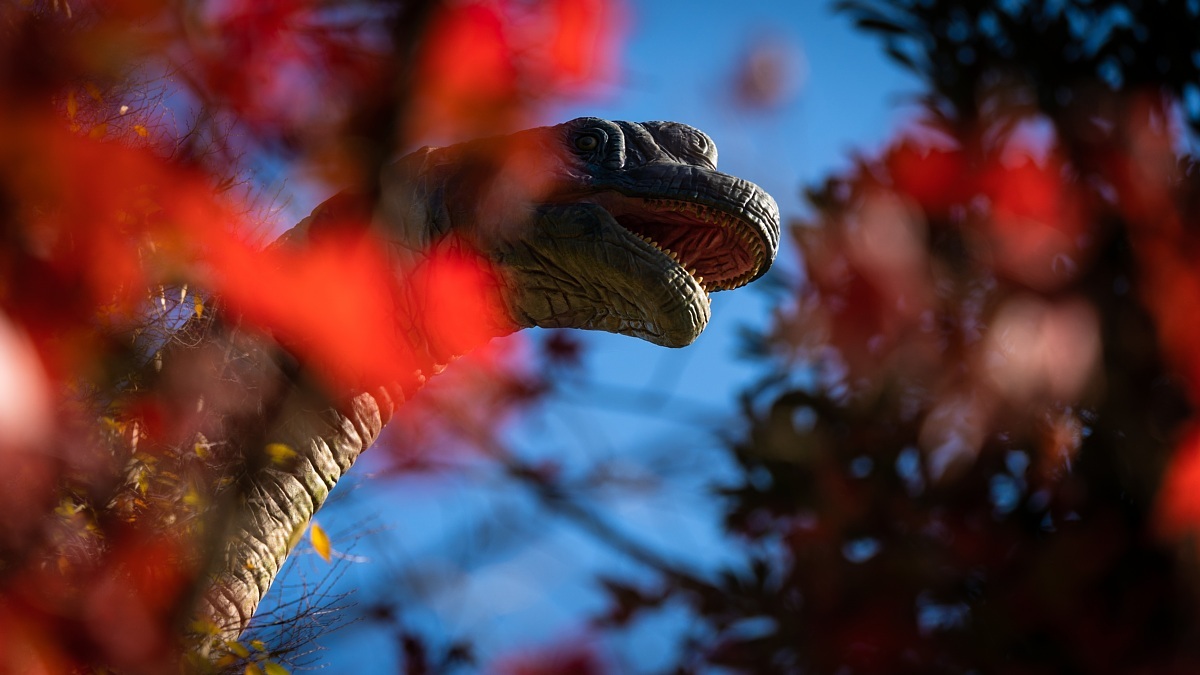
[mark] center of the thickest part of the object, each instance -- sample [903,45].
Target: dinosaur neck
[325,428]
[269,507]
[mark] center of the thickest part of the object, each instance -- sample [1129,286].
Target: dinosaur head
[617,226]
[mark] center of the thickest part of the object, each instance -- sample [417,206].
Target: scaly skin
[591,224]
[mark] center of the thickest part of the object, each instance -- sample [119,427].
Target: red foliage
[101,211]
[1017,322]
[83,250]
[1037,226]
[466,69]
[936,178]
[331,302]
[1153,197]
[280,65]
[481,61]
[1178,507]
[348,313]
[459,301]
[582,41]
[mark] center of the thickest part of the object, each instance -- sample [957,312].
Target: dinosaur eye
[587,142]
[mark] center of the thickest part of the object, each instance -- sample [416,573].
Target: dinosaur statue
[595,224]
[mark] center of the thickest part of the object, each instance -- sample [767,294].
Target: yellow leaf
[273,668]
[320,541]
[253,670]
[280,453]
[204,627]
[141,130]
[72,105]
[259,645]
[199,304]
[297,535]
[113,424]
[193,498]
[238,648]
[201,450]
[97,132]
[68,508]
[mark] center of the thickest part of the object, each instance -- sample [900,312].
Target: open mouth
[720,249]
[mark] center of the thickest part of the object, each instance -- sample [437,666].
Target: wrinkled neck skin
[328,431]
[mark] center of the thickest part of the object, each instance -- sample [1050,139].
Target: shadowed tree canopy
[979,451]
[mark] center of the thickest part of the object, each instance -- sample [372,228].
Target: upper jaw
[722,230]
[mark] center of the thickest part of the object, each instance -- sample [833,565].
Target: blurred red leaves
[140,588]
[1157,197]
[286,66]
[937,178]
[346,310]
[1042,351]
[120,607]
[1178,506]
[467,61]
[118,226]
[887,265]
[460,307]
[582,45]
[331,303]
[1037,228]
[96,226]
[483,62]
[1154,195]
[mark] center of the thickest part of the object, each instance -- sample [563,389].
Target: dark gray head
[617,226]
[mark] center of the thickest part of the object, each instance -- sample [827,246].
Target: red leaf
[937,179]
[1178,507]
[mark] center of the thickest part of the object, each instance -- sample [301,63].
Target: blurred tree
[980,452]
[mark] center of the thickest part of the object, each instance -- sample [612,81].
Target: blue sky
[641,409]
